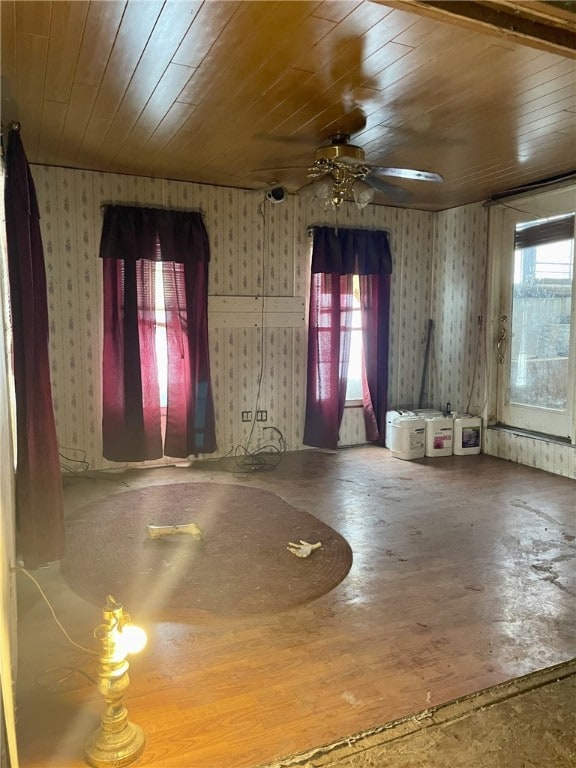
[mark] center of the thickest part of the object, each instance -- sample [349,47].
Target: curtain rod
[311,227]
[124,204]
[555,182]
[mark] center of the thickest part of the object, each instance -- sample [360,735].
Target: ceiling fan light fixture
[336,186]
[324,188]
[318,188]
[340,173]
[362,192]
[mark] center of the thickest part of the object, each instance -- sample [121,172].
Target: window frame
[504,217]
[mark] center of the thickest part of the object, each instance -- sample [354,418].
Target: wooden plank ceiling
[241,93]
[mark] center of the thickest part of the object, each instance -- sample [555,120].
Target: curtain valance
[131,233]
[345,251]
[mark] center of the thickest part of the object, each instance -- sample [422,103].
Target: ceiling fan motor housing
[343,152]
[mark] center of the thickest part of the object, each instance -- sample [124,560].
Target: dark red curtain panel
[375,309]
[190,411]
[39,498]
[330,320]
[131,401]
[132,240]
[337,255]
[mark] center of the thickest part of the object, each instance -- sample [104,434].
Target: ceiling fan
[340,172]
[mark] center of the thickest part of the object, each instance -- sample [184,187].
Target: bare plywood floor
[464,576]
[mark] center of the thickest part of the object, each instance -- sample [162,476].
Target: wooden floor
[464,576]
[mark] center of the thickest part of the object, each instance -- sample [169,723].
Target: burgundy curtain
[39,498]
[132,240]
[330,318]
[131,401]
[375,309]
[337,255]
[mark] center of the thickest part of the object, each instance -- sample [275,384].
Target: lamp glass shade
[363,193]
[319,188]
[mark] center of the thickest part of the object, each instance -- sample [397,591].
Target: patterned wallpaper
[541,454]
[257,248]
[457,360]
[262,249]
[458,367]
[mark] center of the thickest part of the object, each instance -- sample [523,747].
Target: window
[541,308]
[544,253]
[160,335]
[356,362]
[156,392]
[535,343]
[348,332]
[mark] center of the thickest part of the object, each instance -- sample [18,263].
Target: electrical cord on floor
[53,686]
[68,672]
[264,459]
[49,604]
[80,468]
[73,466]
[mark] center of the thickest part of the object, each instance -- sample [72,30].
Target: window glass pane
[541,309]
[161,341]
[354,383]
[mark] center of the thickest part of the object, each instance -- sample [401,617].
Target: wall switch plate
[246,415]
[261,415]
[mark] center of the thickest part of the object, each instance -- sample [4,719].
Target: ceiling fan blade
[350,122]
[397,194]
[407,173]
[279,168]
[307,140]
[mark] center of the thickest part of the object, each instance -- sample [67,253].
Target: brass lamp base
[104,749]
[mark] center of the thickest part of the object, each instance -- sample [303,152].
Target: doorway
[532,242]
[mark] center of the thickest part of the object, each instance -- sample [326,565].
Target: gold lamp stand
[117,742]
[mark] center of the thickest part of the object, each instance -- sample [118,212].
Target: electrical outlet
[261,415]
[246,415]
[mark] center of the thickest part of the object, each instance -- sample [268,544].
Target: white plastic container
[428,413]
[391,417]
[407,439]
[439,434]
[467,435]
